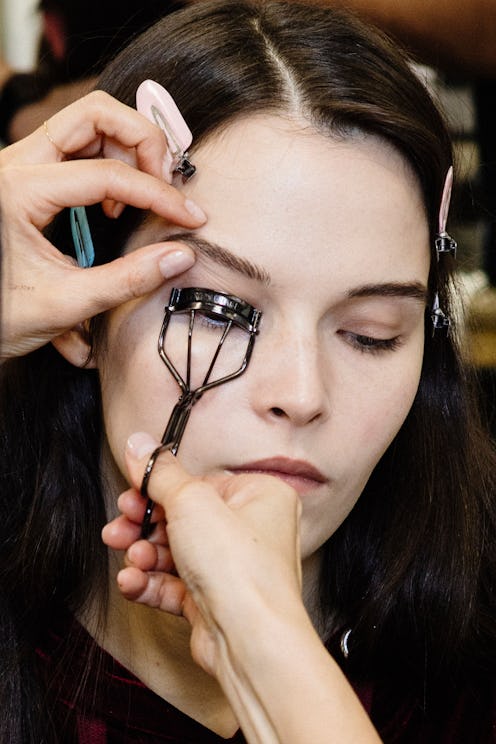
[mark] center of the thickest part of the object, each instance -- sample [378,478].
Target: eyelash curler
[222,313]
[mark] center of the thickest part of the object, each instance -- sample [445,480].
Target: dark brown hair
[411,570]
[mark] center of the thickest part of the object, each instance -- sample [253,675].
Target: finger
[80,183]
[133,506]
[136,274]
[159,590]
[256,494]
[146,556]
[116,151]
[103,287]
[168,475]
[82,127]
[121,533]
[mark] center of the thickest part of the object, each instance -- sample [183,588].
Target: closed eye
[370,344]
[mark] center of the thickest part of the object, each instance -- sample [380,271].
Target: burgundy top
[116,708]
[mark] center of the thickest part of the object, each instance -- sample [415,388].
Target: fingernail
[113,208]
[118,210]
[175,263]
[194,210]
[140,444]
[167,166]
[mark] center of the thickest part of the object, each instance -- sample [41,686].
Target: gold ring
[51,140]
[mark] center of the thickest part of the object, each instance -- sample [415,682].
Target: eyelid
[373,307]
[372,320]
[371,329]
[378,345]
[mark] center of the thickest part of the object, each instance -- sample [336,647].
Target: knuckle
[136,282]
[97,99]
[115,172]
[114,167]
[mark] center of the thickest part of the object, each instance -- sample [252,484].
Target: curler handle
[170,441]
[177,422]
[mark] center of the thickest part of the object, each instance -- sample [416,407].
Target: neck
[154,646]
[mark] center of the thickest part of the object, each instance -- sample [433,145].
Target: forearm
[284,686]
[453,33]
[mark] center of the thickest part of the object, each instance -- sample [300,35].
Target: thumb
[168,474]
[138,273]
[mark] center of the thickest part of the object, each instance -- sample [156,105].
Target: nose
[288,383]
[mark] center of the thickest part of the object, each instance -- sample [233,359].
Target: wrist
[273,666]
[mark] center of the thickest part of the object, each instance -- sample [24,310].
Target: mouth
[299,474]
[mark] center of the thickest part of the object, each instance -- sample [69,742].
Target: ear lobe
[75,347]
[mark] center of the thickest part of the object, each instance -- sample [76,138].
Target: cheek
[214,351]
[366,427]
[379,411]
[138,392]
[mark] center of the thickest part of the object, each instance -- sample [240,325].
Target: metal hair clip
[444,243]
[345,650]
[440,321]
[208,318]
[81,236]
[154,102]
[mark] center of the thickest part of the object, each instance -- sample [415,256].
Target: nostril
[277,411]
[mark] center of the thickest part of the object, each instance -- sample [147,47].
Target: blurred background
[20,26]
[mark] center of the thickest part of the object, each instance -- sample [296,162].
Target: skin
[328,220]
[43,293]
[306,363]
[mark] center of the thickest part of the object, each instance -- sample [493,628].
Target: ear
[75,346]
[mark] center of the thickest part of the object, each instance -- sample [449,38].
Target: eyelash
[210,321]
[370,345]
[360,342]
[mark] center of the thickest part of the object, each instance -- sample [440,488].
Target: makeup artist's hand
[218,533]
[95,150]
[225,554]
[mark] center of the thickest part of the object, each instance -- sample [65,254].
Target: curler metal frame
[228,308]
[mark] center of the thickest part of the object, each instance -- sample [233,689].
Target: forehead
[277,189]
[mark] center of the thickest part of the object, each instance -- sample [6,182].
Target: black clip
[445,244]
[440,321]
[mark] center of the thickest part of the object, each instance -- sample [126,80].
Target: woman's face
[329,240]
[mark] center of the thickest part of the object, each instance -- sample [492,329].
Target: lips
[299,474]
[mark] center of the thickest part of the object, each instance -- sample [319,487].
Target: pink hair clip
[444,243]
[154,102]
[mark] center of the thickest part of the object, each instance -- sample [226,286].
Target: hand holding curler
[95,150]
[218,560]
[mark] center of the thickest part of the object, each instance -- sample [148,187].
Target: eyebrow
[223,256]
[409,290]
